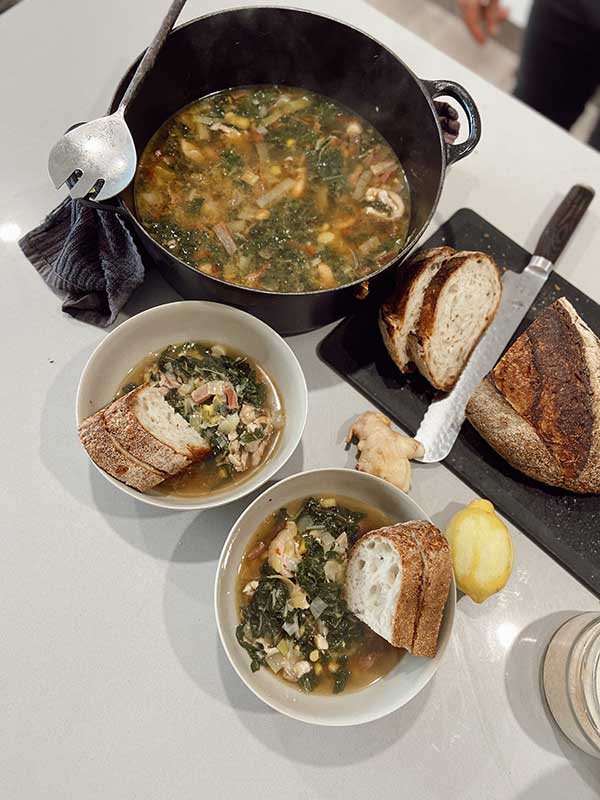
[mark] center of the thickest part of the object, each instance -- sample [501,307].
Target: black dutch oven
[297,48]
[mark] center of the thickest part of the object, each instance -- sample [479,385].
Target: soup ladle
[99,158]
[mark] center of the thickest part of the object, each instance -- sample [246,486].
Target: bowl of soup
[232,383]
[280,603]
[286,163]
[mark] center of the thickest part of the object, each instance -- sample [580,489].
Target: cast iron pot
[297,48]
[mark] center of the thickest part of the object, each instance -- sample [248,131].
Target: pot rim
[411,241]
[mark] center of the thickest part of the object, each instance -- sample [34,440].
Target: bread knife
[443,419]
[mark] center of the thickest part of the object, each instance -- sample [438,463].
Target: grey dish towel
[87,255]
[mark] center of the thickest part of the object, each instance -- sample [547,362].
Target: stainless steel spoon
[100,156]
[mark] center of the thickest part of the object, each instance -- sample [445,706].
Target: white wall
[519,11]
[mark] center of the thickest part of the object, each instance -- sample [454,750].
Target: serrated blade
[443,419]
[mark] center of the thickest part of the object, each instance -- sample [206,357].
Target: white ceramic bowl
[390,692]
[154,329]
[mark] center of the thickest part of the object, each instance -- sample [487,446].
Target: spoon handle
[151,53]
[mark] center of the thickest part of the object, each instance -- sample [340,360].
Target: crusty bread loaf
[397,583]
[459,304]
[108,454]
[400,315]
[383,584]
[149,428]
[539,408]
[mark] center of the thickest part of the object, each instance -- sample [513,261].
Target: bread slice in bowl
[459,305]
[539,408]
[400,315]
[109,455]
[435,584]
[151,430]
[397,582]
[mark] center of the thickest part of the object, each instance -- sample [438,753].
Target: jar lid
[590,679]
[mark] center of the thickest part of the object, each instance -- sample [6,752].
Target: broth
[200,360]
[368,657]
[274,188]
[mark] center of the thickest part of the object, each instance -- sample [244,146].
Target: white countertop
[113,682]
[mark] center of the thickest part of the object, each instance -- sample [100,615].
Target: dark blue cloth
[87,255]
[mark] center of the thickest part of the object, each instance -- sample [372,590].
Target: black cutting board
[564,524]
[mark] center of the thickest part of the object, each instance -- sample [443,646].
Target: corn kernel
[302,548]
[264,213]
[318,669]
[325,226]
[314,656]
[291,142]
[333,666]
[326,237]
[275,169]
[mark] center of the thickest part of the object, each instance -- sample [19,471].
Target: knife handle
[565,219]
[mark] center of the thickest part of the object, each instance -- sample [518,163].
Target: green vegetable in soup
[274,188]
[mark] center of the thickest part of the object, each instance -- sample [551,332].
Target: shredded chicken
[284,555]
[382,451]
[385,197]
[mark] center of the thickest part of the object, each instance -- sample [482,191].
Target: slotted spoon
[98,158]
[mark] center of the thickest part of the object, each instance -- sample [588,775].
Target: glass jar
[571,680]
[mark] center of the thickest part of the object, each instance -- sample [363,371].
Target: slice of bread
[110,456]
[399,316]
[383,584]
[397,583]
[435,586]
[459,304]
[150,429]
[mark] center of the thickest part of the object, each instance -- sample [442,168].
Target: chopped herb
[231,160]
[195,205]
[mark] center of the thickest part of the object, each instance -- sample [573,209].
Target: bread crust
[419,341]
[532,379]
[540,406]
[437,578]
[392,315]
[110,456]
[124,425]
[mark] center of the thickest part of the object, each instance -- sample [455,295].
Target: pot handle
[454,152]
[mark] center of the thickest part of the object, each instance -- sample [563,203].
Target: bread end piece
[109,455]
[539,407]
[400,314]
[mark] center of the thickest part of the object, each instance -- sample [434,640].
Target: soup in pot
[274,188]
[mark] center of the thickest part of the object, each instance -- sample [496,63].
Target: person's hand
[482,18]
